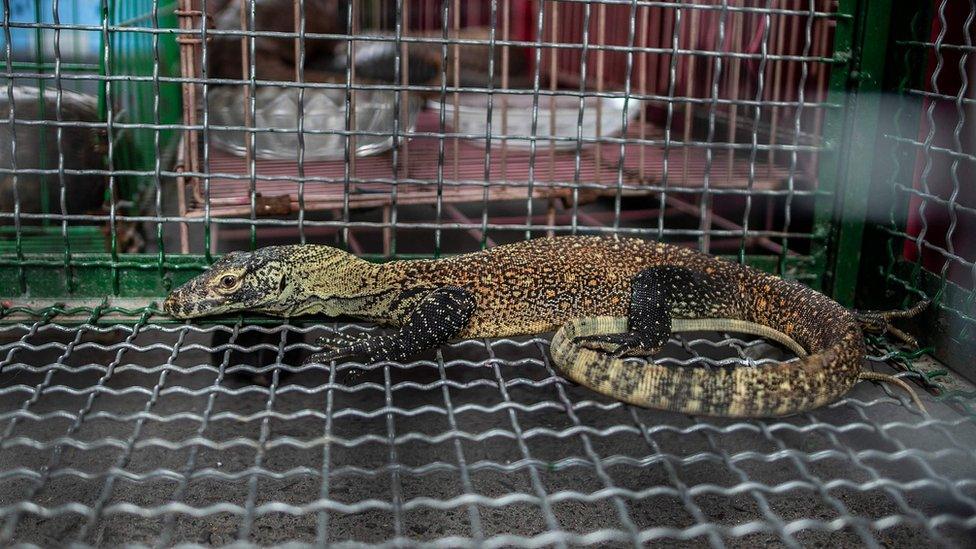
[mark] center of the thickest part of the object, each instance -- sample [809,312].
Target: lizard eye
[228,281]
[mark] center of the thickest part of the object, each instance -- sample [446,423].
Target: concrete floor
[135,442]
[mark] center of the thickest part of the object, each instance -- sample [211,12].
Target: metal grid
[121,428]
[159,434]
[730,120]
[719,147]
[927,222]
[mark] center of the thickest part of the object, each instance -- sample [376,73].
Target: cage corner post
[844,173]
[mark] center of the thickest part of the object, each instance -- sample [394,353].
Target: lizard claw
[325,357]
[334,347]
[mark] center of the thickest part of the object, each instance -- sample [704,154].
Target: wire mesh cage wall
[421,128]
[660,113]
[928,210]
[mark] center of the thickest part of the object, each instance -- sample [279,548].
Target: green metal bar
[850,166]
[138,275]
[164,9]
[832,138]
[44,66]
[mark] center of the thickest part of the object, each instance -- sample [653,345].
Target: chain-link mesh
[929,220]
[192,434]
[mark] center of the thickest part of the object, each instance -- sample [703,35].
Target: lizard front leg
[437,319]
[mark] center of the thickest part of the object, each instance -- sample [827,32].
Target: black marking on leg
[656,294]
[339,340]
[438,318]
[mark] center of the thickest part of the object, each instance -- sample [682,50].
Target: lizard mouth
[176,308]
[182,304]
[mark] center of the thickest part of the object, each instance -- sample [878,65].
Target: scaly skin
[584,287]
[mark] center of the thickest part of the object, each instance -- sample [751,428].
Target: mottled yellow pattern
[579,284]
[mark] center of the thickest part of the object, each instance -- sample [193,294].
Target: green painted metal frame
[861,40]
[141,275]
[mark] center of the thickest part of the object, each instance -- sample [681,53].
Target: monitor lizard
[612,302]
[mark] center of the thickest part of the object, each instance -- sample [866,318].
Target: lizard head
[267,280]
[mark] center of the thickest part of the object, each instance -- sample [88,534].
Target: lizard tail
[814,324]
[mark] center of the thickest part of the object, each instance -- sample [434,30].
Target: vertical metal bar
[456,81]
[59,135]
[405,92]
[553,85]
[493,26]
[247,522]
[625,114]
[349,141]
[822,71]
[705,205]
[757,116]
[248,71]
[577,161]
[506,16]
[534,131]
[208,243]
[781,22]
[110,142]
[797,124]
[844,171]
[441,129]
[474,517]
[397,105]
[733,84]
[299,15]
[694,19]
[396,488]
[45,205]
[957,146]
[322,518]
[14,177]
[669,120]
[601,35]
[188,90]
[928,143]
[183,486]
[643,42]
[157,152]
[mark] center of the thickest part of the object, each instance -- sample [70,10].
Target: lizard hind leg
[880,322]
[655,293]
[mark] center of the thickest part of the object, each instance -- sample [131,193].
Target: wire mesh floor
[179,434]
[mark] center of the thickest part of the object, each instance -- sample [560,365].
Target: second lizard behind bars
[610,299]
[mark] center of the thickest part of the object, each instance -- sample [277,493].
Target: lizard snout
[170,306]
[177,306]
